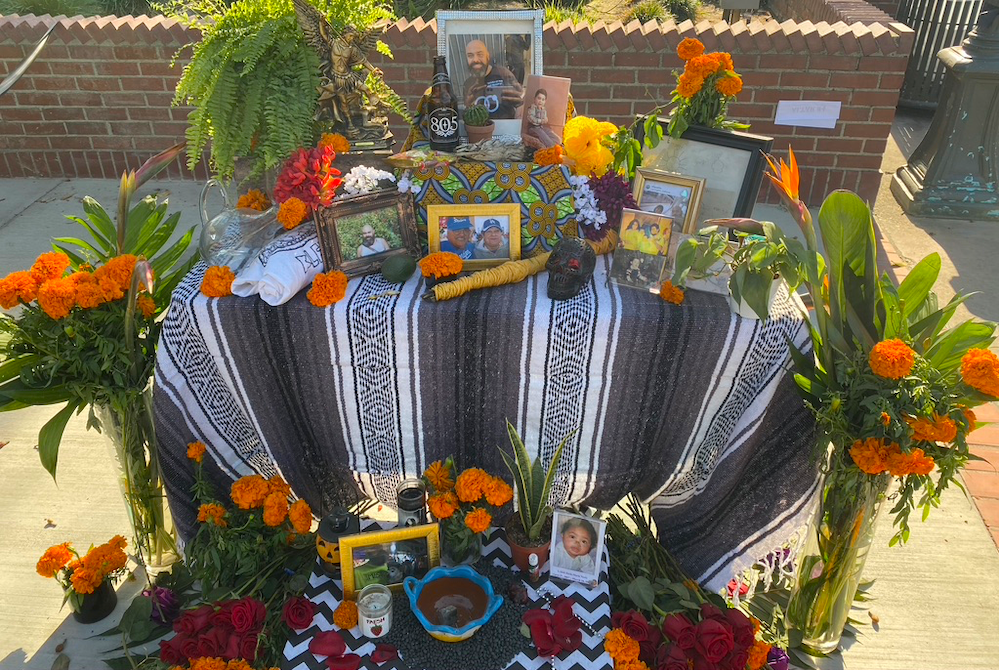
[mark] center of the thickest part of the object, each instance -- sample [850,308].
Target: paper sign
[807,113]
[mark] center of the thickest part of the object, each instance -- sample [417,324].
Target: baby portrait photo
[577,545]
[545,104]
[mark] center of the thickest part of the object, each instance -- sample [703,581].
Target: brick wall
[831,11]
[98,98]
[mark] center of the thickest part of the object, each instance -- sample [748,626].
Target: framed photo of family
[388,556]
[489,55]
[481,235]
[640,259]
[731,164]
[357,234]
[577,547]
[672,195]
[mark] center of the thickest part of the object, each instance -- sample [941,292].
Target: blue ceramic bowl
[414,587]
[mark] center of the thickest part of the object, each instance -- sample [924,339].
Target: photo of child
[545,107]
[577,546]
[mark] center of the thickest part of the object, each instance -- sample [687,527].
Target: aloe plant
[533,483]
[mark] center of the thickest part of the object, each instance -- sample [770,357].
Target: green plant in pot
[530,530]
[478,125]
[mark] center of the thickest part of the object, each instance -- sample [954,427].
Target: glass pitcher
[235,236]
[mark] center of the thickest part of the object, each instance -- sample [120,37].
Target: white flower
[587,211]
[363,179]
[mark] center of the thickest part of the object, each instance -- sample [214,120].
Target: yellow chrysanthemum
[583,139]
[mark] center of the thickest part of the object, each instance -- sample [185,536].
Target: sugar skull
[569,268]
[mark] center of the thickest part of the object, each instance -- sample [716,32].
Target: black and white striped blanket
[690,407]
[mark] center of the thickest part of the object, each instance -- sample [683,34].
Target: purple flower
[613,194]
[777,659]
[166,605]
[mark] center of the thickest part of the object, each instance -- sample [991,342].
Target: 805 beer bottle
[442,115]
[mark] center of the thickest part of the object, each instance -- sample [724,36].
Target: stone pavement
[936,597]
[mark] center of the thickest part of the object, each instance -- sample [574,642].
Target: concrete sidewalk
[936,597]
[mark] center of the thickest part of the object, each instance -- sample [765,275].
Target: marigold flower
[471,485]
[17,287]
[970,417]
[871,455]
[345,614]
[254,199]
[238,664]
[212,513]
[702,66]
[915,463]
[54,559]
[938,429]
[980,371]
[885,419]
[443,505]
[671,293]
[249,492]
[217,282]
[730,85]
[48,266]
[146,306]
[892,359]
[631,665]
[277,484]
[300,515]
[549,156]
[57,297]
[208,663]
[292,212]
[275,509]
[621,647]
[440,264]
[478,520]
[439,476]
[498,492]
[689,84]
[725,60]
[758,654]
[89,293]
[196,451]
[116,273]
[689,48]
[328,288]
[84,581]
[335,141]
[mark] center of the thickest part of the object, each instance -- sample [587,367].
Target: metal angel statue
[344,97]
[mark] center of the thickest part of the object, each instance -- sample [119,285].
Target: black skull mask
[569,268]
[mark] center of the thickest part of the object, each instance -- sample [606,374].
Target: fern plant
[252,79]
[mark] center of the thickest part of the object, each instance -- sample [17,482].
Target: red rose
[635,626]
[345,662]
[208,644]
[248,647]
[231,650]
[742,628]
[647,653]
[675,659]
[328,644]
[383,653]
[709,611]
[192,622]
[737,660]
[298,613]
[170,651]
[655,636]
[678,628]
[247,615]
[714,640]
[701,663]
[189,647]
[544,641]
[616,619]
[223,617]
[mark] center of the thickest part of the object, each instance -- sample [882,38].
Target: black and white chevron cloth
[592,606]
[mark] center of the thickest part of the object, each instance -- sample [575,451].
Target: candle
[374,610]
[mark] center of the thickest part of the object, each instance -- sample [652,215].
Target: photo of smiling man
[490,84]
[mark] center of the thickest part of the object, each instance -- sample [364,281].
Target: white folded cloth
[283,268]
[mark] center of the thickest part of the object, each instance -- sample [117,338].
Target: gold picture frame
[356,551]
[478,217]
[690,187]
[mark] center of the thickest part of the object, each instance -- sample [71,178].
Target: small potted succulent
[530,530]
[478,125]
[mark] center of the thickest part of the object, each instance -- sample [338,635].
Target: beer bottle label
[443,125]
[440,78]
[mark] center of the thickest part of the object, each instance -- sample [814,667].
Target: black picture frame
[712,206]
[382,200]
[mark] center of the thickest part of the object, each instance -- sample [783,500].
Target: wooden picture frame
[730,162]
[689,190]
[341,231]
[381,549]
[478,216]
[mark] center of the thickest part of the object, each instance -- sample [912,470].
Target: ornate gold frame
[696,185]
[349,543]
[511,210]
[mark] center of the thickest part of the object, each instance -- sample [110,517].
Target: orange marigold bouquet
[82,575]
[704,90]
[464,506]
[84,334]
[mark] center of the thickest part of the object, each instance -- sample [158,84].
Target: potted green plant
[530,530]
[478,125]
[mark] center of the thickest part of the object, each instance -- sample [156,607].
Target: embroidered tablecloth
[688,406]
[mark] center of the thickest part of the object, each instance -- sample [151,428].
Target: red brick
[24,114]
[633,60]
[143,84]
[883,114]
[847,113]
[31,98]
[70,67]
[989,509]
[839,145]
[89,53]
[987,412]
[875,146]
[882,64]
[50,83]
[100,84]
[875,98]
[822,62]
[149,113]
[991,456]
[864,161]
[80,99]
[776,95]
[25,142]
[804,79]
[160,69]
[982,484]
[986,435]
[119,128]
[133,53]
[86,128]
[45,128]
[107,113]
[751,111]
[599,108]
[62,113]
[874,130]
[613,76]
[760,79]
[74,142]
[853,80]
[126,99]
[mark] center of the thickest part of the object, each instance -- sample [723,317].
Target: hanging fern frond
[389,97]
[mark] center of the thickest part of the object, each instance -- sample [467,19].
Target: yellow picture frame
[354,547]
[692,186]
[478,214]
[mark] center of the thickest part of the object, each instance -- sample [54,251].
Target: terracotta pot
[97,605]
[479,133]
[520,553]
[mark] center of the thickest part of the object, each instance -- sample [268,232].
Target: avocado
[398,269]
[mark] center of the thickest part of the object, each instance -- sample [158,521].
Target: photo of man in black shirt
[489,84]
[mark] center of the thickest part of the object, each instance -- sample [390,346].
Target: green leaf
[76,242]
[16,390]
[916,287]
[845,223]
[50,436]
[640,592]
[162,263]
[947,351]
[100,219]
[756,292]
[11,368]
[105,244]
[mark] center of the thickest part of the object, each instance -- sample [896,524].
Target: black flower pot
[97,605]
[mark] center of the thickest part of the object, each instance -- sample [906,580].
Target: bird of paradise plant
[892,391]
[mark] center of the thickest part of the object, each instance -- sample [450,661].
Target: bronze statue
[344,98]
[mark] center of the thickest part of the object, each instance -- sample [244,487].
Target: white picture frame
[513,43]
[561,560]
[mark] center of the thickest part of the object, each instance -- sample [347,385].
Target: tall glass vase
[459,545]
[130,431]
[833,557]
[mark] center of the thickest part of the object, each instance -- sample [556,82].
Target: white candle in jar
[374,611]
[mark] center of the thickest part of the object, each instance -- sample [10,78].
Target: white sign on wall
[807,113]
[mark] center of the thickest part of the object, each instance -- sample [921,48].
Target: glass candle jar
[411,502]
[374,611]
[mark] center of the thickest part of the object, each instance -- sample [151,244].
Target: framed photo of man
[669,194]
[489,55]
[482,236]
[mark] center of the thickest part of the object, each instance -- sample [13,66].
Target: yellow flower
[115,276]
[443,505]
[758,655]
[549,156]
[249,492]
[254,199]
[471,485]
[689,84]
[730,85]
[871,455]
[892,359]
[938,429]
[292,212]
[144,303]
[439,476]
[440,264]
[689,48]
[275,509]
[345,614]
[338,142]
[212,513]
[621,647]
[54,559]
[57,297]
[583,139]
[49,265]
[17,287]
[498,492]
